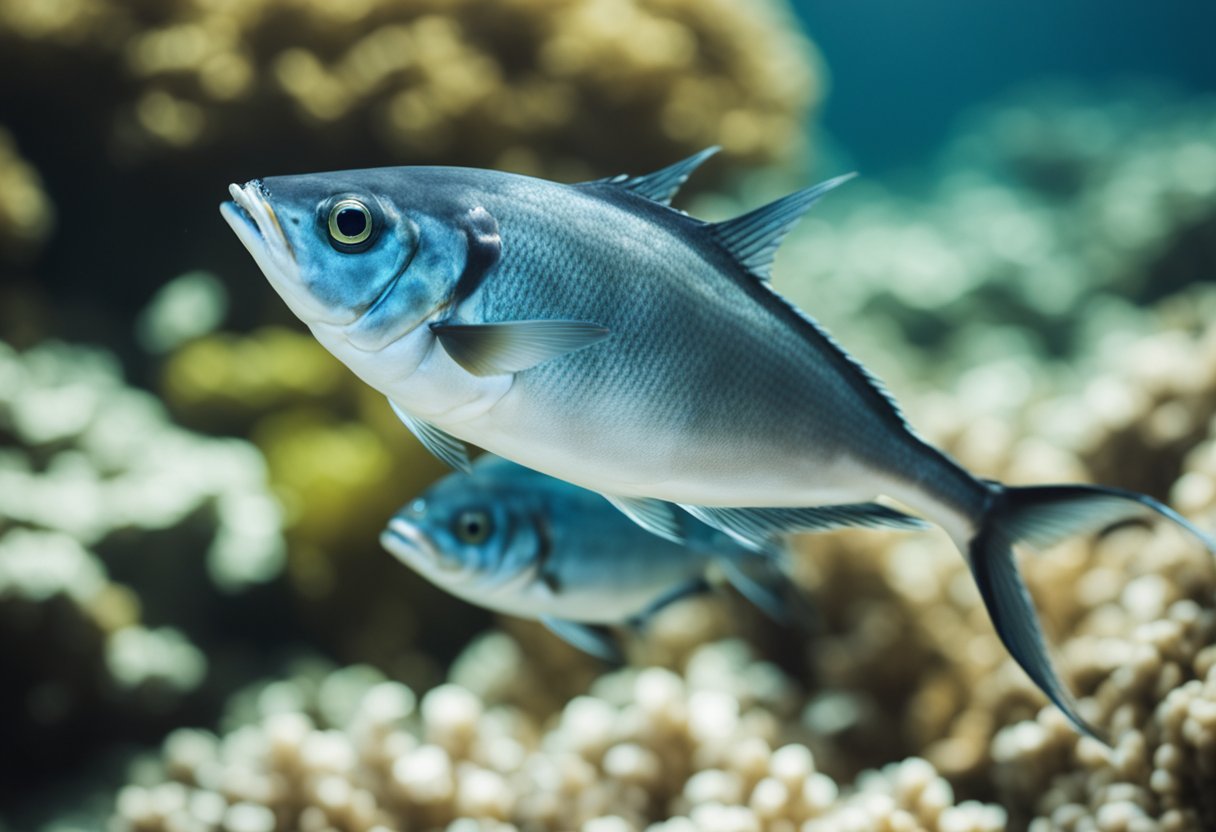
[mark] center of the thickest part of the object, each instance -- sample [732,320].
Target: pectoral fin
[756,527]
[586,637]
[513,346]
[655,516]
[448,448]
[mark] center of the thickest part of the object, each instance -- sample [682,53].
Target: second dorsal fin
[753,238]
[661,185]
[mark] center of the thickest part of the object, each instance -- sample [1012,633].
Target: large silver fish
[593,333]
[511,539]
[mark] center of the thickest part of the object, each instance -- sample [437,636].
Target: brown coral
[646,749]
[518,84]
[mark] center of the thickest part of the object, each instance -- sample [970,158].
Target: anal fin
[589,638]
[757,527]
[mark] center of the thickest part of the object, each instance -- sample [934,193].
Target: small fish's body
[519,542]
[593,333]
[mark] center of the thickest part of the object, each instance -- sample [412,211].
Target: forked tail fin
[1041,516]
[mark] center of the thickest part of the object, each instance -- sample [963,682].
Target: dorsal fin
[752,239]
[661,185]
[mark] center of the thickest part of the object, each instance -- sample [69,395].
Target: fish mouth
[249,215]
[408,543]
[252,218]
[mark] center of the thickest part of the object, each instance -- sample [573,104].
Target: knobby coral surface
[643,749]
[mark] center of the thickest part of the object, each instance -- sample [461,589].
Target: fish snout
[408,543]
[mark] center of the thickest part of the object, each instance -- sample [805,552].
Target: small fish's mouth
[408,543]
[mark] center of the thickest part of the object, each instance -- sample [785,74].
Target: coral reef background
[198,629]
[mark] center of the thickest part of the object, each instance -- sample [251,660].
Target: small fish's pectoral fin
[445,446]
[589,638]
[757,527]
[689,589]
[662,185]
[513,346]
[655,516]
[753,238]
[763,583]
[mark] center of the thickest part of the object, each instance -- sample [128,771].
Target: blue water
[903,70]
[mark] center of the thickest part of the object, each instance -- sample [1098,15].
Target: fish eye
[350,225]
[473,527]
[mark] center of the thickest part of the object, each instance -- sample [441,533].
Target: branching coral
[645,749]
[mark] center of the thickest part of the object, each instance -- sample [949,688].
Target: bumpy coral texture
[512,83]
[697,751]
[94,481]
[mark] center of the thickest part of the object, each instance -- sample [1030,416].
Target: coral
[93,458]
[644,749]
[517,84]
[26,213]
[112,523]
[909,662]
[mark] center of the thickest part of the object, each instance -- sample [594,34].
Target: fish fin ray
[753,238]
[756,528]
[448,448]
[870,383]
[589,638]
[768,587]
[661,185]
[492,349]
[655,516]
[688,589]
[1042,516]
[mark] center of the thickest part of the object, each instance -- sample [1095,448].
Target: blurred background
[198,629]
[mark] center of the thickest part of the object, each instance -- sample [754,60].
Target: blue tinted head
[370,253]
[467,530]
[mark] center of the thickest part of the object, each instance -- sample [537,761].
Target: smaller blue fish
[519,542]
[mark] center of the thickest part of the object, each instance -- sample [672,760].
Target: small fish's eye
[350,224]
[473,527]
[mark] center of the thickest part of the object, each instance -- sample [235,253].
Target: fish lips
[409,544]
[250,215]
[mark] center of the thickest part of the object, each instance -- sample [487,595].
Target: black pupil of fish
[472,527]
[351,222]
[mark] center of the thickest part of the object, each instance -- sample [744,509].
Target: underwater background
[198,627]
